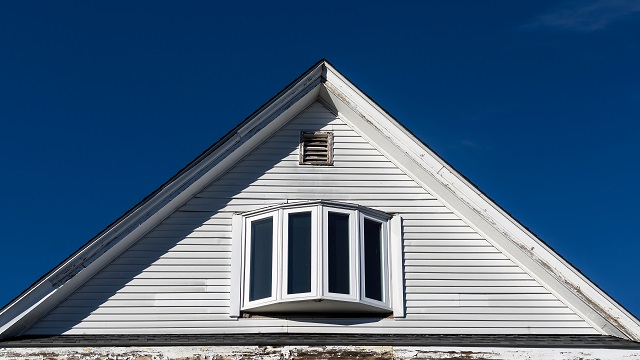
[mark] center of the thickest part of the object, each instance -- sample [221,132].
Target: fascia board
[461,196]
[54,287]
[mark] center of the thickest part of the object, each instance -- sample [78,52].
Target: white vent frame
[322,154]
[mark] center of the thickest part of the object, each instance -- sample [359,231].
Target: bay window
[316,257]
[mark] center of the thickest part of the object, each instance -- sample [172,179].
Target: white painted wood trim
[236,266]
[290,352]
[397,267]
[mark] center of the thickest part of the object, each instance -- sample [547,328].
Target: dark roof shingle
[540,341]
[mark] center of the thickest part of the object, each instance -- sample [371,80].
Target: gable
[165,267]
[176,279]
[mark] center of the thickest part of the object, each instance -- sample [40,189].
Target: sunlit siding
[177,278]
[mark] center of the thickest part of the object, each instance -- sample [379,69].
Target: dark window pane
[372,260]
[299,242]
[338,252]
[261,259]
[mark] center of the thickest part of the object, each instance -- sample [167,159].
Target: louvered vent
[316,148]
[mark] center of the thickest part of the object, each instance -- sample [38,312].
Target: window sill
[318,306]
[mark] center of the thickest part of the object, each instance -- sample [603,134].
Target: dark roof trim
[519,341]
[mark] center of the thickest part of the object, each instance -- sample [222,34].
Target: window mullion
[323,247]
[384,237]
[318,278]
[278,250]
[357,257]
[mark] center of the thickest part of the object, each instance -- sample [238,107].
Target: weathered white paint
[176,279]
[314,352]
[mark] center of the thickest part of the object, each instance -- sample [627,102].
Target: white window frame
[391,257]
[314,252]
[354,273]
[384,239]
[274,262]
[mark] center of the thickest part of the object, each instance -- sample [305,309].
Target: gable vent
[316,148]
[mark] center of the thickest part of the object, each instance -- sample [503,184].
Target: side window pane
[261,259]
[372,260]
[299,244]
[338,252]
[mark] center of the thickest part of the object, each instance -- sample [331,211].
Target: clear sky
[536,102]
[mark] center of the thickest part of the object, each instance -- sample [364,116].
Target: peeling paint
[310,352]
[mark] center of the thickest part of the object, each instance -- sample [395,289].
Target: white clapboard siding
[177,278]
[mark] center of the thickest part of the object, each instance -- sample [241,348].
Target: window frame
[274,261]
[354,273]
[391,258]
[384,258]
[285,247]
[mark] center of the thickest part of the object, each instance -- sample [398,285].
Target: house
[319,226]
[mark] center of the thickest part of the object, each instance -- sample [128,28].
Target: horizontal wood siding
[177,278]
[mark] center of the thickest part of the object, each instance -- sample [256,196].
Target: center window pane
[261,259]
[372,260]
[338,253]
[299,244]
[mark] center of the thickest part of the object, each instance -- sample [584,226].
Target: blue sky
[536,102]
